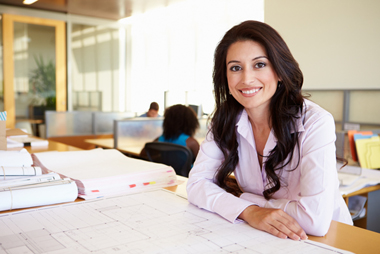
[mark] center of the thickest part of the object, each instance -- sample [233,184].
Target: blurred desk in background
[108,143]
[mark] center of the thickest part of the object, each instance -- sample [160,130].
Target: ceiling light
[29,1]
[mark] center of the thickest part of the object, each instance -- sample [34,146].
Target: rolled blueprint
[20,158]
[19,171]
[30,180]
[38,195]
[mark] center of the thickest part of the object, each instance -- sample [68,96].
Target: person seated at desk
[279,145]
[153,110]
[179,127]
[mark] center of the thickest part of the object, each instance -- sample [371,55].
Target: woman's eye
[235,68]
[260,65]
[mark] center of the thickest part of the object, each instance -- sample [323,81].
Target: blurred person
[153,110]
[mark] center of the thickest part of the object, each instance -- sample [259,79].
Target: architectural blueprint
[151,222]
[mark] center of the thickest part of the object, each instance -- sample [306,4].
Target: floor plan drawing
[151,222]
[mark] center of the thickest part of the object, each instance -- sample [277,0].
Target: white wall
[336,42]
[172,49]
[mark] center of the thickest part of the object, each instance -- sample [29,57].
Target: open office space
[107,63]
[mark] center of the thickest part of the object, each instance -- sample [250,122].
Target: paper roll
[20,171]
[38,196]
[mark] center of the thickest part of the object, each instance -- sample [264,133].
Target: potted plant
[42,87]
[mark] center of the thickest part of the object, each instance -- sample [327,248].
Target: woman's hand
[273,221]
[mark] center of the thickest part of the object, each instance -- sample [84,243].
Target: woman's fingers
[292,225]
[273,221]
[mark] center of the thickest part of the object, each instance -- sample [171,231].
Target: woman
[280,146]
[179,127]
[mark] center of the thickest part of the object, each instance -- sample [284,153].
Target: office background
[164,52]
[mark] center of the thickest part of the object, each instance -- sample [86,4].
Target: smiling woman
[250,76]
[279,145]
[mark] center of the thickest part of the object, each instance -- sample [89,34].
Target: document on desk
[106,172]
[19,171]
[20,158]
[355,182]
[29,141]
[34,191]
[157,221]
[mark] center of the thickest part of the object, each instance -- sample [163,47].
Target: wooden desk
[340,235]
[362,192]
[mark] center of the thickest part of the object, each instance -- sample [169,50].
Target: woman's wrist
[247,211]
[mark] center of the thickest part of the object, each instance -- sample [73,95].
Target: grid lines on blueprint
[150,222]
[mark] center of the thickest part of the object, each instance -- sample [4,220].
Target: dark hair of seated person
[180,119]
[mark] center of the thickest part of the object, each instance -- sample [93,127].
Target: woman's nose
[248,76]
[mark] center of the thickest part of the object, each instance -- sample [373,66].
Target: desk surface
[340,235]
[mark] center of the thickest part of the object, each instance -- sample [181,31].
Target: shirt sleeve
[314,206]
[203,192]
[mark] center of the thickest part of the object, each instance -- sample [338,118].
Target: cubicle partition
[73,127]
[103,121]
[135,132]
[63,124]
[351,109]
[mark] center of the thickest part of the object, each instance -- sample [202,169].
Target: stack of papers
[8,173]
[365,148]
[23,185]
[19,138]
[33,191]
[20,158]
[106,172]
[368,150]
[357,179]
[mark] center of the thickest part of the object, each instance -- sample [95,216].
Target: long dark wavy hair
[179,119]
[285,104]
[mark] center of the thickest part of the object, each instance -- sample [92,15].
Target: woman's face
[251,78]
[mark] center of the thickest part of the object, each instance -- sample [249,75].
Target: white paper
[39,195]
[12,143]
[19,171]
[97,163]
[151,222]
[107,172]
[20,158]
[30,180]
[30,141]
[368,177]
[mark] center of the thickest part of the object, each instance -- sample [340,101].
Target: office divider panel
[203,128]
[103,121]
[75,123]
[81,123]
[138,131]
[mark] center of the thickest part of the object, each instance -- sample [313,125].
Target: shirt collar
[243,123]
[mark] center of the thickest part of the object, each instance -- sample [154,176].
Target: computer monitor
[197,109]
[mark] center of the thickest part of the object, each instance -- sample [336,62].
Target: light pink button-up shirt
[310,193]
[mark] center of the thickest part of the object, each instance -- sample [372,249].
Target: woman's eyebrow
[236,61]
[258,57]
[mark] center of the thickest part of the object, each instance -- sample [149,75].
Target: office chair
[177,156]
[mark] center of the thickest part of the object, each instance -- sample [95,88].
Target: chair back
[177,156]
